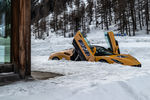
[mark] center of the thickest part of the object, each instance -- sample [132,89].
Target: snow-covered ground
[85,80]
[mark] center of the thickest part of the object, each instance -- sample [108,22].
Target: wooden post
[21,40]
[15,35]
[28,36]
[24,37]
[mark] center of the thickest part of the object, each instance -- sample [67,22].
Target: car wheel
[55,58]
[102,60]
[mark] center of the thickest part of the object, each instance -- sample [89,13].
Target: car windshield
[101,51]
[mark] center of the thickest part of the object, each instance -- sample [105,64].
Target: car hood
[126,59]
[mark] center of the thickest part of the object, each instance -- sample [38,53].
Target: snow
[85,80]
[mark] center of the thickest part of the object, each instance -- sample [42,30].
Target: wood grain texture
[28,39]
[15,35]
[24,37]
[21,40]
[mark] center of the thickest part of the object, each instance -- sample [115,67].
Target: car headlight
[116,61]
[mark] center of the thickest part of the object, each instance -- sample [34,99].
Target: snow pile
[85,80]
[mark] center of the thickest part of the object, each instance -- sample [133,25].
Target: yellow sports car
[83,51]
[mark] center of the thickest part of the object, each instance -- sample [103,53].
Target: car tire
[103,61]
[55,58]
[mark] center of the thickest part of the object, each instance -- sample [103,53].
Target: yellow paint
[124,59]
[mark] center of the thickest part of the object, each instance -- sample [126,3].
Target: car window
[84,48]
[101,51]
[107,40]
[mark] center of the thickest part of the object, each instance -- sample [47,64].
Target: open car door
[82,47]
[113,44]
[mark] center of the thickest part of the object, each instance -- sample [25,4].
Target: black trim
[137,65]
[103,60]
[78,50]
[117,61]
[54,58]
[66,53]
[118,46]
[74,55]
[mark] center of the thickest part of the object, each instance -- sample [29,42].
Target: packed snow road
[86,80]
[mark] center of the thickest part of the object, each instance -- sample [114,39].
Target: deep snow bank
[85,80]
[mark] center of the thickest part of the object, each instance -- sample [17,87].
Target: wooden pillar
[21,40]
[28,36]
[15,35]
[24,37]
